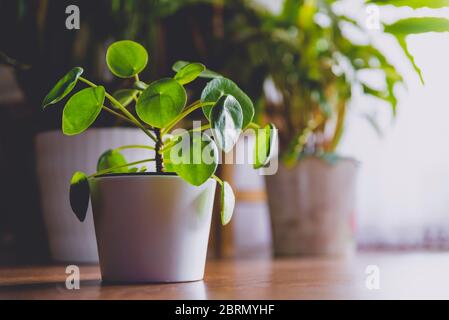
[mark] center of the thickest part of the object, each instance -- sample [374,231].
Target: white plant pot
[312,208]
[151,228]
[57,157]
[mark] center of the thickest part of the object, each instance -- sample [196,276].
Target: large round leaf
[82,109]
[79,194]
[63,87]
[126,58]
[110,159]
[221,86]
[194,158]
[227,203]
[266,139]
[189,72]
[226,121]
[161,102]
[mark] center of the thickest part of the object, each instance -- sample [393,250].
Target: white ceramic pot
[151,228]
[57,157]
[312,208]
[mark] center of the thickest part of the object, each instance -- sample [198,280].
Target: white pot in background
[57,157]
[312,208]
[151,228]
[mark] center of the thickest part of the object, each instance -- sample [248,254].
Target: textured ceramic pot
[151,228]
[312,208]
[57,157]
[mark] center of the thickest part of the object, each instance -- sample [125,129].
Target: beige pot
[312,208]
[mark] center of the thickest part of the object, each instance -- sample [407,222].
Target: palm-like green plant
[315,67]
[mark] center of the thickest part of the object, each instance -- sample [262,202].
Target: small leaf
[82,109]
[209,74]
[194,158]
[125,96]
[126,58]
[79,194]
[220,86]
[110,159]
[140,85]
[266,139]
[227,203]
[226,121]
[161,102]
[64,86]
[189,72]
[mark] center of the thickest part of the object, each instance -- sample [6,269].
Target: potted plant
[154,226]
[46,55]
[314,67]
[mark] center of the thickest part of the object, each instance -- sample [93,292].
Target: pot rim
[340,159]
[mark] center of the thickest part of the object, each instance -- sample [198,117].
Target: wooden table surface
[402,276]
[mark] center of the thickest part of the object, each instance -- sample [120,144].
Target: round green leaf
[226,121]
[194,158]
[126,58]
[63,87]
[125,96]
[189,72]
[178,65]
[110,159]
[82,109]
[220,86]
[266,139]
[79,194]
[227,203]
[161,102]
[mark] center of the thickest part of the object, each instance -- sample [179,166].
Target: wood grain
[402,276]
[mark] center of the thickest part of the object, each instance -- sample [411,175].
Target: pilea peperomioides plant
[159,107]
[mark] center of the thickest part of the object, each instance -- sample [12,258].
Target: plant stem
[118,115]
[135,146]
[159,161]
[196,105]
[253,125]
[123,109]
[217,179]
[118,167]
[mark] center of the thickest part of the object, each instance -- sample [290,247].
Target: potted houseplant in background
[154,226]
[314,67]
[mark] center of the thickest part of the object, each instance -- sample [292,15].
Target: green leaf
[110,159]
[402,28]
[194,158]
[140,85]
[126,58]
[82,109]
[64,86]
[226,121]
[189,72]
[207,73]
[409,26]
[161,102]
[266,139]
[227,203]
[125,96]
[414,4]
[221,86]
[79,194]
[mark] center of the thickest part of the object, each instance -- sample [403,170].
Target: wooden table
[402,276]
